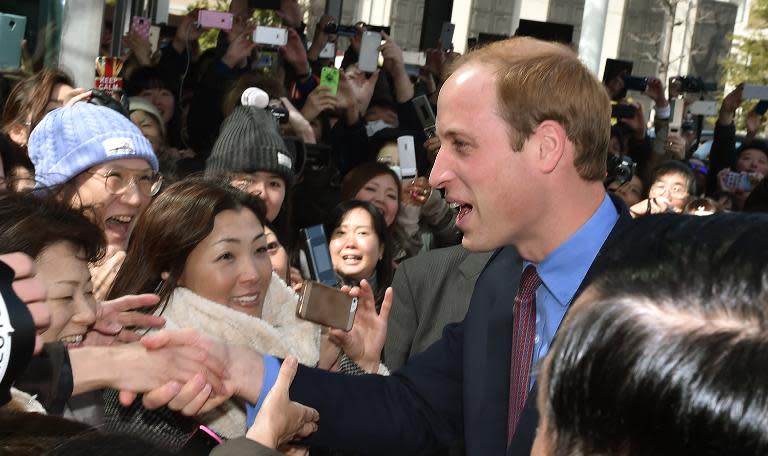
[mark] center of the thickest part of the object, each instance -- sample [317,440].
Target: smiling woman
[102,164]
[201,246]
[62,241]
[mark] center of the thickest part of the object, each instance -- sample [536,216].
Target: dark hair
[385,267]
[282,225]
[171,227]
[677,167]
[358,176]
[29,98]
[664,357]
[33,434]
[13,157]
[29,224]
[146,78]
[757,144]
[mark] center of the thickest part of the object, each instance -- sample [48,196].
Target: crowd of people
[554,282]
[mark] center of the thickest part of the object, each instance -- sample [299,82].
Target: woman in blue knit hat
[96,158]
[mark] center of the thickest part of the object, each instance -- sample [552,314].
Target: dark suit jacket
[452,389]
[431,290]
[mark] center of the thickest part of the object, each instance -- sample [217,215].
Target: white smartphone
[273,36]
[368,60]
[446,35]
[414,58]
[703,108]
[329,51]
[154,37]
[407,152]
[754,92]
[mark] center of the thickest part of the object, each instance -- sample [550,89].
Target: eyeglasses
[116,182]
[675,191]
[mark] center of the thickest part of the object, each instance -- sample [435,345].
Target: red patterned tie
[523,334]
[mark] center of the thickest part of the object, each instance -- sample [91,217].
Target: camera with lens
[621,168]
[101,98]
[692,84]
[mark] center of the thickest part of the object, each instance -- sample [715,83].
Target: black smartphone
[320,265]
[623,111]
[425,114]
[264,4]
[761,107]
[635,83]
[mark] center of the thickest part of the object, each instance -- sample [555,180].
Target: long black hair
[385,269]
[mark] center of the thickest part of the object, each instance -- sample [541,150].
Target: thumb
[287,372]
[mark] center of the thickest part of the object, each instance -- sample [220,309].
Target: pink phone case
[140,25]
[214,19]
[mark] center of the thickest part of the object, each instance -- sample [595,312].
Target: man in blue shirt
[524,130]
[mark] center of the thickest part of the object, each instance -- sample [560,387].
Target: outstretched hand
[281,420]
[115,317]
[365,341]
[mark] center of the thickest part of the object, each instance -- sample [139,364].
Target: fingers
[30,290]
[22,264]
[126,398]
[310,417]
[160,396]
[386,305]
[131,302]
[286,374]
[192,396]
[169,337]
[77,95]
[140,320]
[128,336]
[41,314]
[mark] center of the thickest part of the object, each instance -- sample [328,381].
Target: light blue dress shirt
[562,271]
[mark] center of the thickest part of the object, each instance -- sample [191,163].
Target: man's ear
[552,142]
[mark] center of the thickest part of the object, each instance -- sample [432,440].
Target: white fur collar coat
[278,332]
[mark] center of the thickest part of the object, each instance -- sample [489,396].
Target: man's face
[494,185]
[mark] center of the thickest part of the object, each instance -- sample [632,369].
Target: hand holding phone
[215,19]
[737,182]
[329,77]
[140,26]
[368,60]
[407,153]
[326,306]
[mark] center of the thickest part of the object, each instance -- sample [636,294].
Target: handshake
[193,373]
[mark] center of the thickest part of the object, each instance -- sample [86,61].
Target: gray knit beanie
[250,141]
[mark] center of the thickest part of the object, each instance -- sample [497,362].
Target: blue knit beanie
[70,140]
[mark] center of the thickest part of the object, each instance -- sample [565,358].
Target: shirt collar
[563,270]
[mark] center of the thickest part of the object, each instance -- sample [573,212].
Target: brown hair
[538,81]
[171,227]
[30,224]
[361,174]
[30,97]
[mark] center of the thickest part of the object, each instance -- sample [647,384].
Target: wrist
[93,368]
[229,61]
[247,372]
[259,433]
[179,44]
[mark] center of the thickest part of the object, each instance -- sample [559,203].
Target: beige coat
[277,333]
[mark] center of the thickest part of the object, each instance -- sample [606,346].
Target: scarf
[278,332]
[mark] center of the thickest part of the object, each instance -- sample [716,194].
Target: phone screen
[321,268]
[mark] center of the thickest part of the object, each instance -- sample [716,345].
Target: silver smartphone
[368,60]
